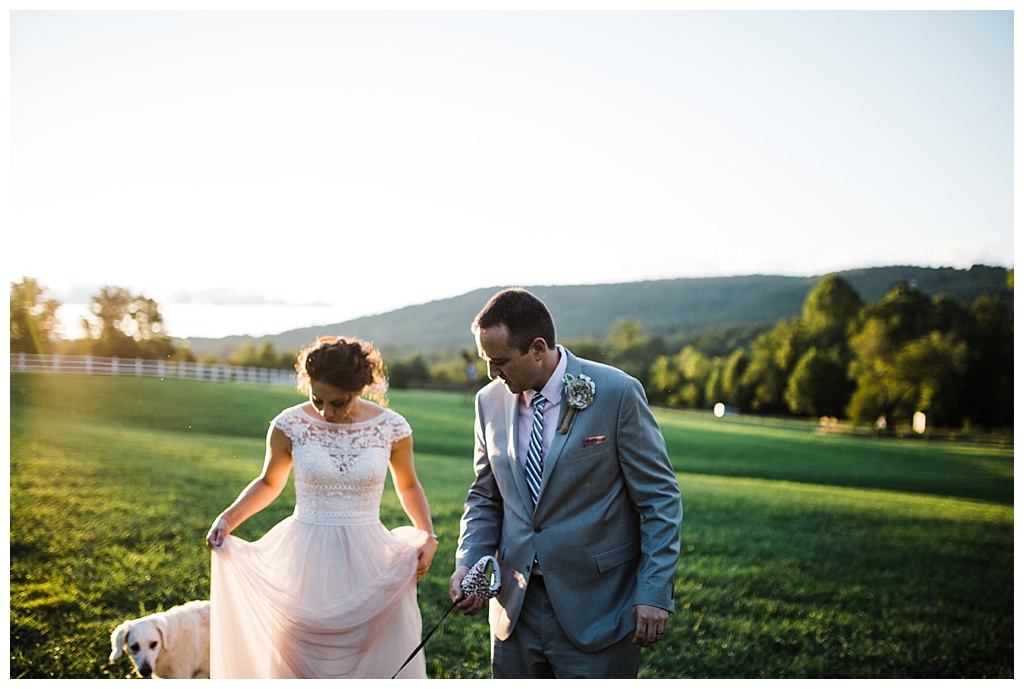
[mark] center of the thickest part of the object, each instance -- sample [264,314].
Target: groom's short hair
[525,316]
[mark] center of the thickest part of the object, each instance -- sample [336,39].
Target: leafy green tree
[713,386]
[124,325]
[905,311]
[696,369]
[717,341]
[588,348]
[948,315]
[882,366]
[682,380]
[451,372]
[734,392]
[181,353]
[772,357]
[666,380]
[931,369]
[818,385]
[988,381]
[243,355]
[108,325]
[262,356]
[876,394]
[628,348]
[33,318]
[410,371]
[829,310]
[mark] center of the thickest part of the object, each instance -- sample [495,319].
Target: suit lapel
[572,368]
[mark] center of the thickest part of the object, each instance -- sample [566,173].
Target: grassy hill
[664,307]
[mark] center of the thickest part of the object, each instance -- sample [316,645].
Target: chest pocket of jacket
[590,453]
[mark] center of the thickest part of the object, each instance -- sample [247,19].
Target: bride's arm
[263,490]
[413,498]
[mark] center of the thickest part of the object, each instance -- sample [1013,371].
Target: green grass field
[804,555]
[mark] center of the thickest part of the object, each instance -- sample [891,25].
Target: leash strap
[425,639]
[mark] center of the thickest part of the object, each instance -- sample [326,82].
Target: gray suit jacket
[606,525]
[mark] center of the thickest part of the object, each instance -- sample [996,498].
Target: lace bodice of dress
[340,468]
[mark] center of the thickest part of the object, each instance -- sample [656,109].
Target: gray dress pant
[539,649]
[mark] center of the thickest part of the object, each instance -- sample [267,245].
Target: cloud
[233,297]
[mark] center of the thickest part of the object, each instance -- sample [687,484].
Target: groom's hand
[467,605]
[651,624]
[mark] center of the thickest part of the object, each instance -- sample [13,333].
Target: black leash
[425,639]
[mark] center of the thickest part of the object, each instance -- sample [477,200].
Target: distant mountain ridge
[664,307]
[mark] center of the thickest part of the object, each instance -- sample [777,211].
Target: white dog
[174,644]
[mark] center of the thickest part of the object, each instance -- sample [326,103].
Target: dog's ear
[117,638]
[163,629]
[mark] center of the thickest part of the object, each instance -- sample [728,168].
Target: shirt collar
[552,389]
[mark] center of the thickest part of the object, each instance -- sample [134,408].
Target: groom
[575,497]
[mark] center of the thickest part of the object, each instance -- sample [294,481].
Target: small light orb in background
[719,410]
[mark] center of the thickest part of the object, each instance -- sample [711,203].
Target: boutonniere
[579,393]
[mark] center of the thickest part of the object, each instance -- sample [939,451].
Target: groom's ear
[538,348]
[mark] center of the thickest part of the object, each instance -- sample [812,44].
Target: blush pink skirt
[316,601]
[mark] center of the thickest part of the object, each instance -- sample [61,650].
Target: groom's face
[518,371]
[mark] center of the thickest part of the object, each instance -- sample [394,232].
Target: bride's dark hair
[352,365]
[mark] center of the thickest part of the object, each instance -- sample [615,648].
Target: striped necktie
[534,458]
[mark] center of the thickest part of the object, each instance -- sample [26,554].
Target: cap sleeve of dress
[400,428]
[282,420]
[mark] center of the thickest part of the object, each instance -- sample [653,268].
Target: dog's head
[143,640]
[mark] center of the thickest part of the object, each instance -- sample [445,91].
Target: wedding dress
[329,592]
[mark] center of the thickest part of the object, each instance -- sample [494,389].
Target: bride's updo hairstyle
[351,365]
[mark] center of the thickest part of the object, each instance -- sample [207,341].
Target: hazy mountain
[664,307]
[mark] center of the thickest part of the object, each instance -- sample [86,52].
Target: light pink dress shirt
[552,392]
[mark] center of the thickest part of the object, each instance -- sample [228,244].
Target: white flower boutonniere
[579,393]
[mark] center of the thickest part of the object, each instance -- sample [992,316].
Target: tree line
[118,324]
[881,362]
[840,358]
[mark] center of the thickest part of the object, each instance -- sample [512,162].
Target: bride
[328,592]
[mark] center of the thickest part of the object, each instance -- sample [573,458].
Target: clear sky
[259,171]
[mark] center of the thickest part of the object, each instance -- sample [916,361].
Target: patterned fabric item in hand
[475,582]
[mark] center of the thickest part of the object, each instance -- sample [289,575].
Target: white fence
[154,368]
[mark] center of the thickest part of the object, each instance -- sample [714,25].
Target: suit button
[537,529]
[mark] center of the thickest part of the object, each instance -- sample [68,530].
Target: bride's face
[334,404]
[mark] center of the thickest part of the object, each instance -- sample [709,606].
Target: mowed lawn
[803,555]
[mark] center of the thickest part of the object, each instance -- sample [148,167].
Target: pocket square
[593,440]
